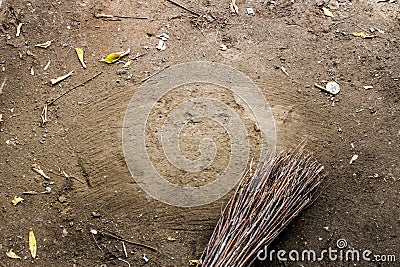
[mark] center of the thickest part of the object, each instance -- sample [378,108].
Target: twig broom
[262,206]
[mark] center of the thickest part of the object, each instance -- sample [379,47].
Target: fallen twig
[49,103]
[105,16]
[2,85]
[125,240]
[97,244]
[184,8]
[39,170]
[124,248]
[145,79]
[65,175]
[129,265]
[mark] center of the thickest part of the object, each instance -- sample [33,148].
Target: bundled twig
[262,206]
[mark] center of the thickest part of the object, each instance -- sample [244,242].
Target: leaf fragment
[61,78]
[47,65]
[161,45]
[170,238]
[113,57]
[1,117]
[11,254]
[44,115]
[233,7]
[327,12]
[195,262]
[17,200]
[127,64]
[45,44]
[32,243]
[79,52]
[363,35]
[18,30]
[354,158]
[37,169]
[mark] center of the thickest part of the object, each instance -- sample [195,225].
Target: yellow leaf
[16,200]
[170,238]
[79,52]
[127,64]
[113,57]
[363,35]
[11,254]
[32,243]
[1,117]
[327,12]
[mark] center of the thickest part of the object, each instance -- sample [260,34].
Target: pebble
[121,71]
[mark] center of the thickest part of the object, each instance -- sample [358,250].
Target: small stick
[97,244]
[145,79]
[2,85]
[125,262]
[127,241]
[185,8]
[131,17]
[65,175]
[319,87]
[104,16]
[73,88]
[124,248]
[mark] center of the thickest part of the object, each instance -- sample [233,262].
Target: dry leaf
[32,243]
[170,238]
[61,78]
[327,12]
[44,115]
[17,200]
[11,254]
[44,45]
[37,169]
[1,117]
[195,262]
[18,29]
[113,57]
[234,8]
[32,71]
[79,52]
[363,35]
[127,64]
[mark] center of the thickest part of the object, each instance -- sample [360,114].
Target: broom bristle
[262,206]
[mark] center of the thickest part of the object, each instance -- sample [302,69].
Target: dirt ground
[359,202]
